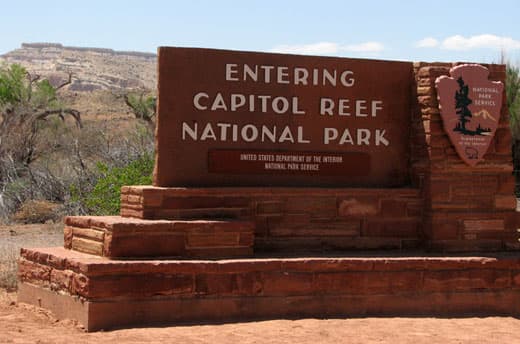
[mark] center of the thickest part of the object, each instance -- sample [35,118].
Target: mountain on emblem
[470,107]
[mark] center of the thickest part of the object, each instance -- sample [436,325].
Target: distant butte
[92,68]
[88,49]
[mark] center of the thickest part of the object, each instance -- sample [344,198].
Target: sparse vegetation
[36,211]
[513,97]
[104,199]
[30,113]
[513,104]
[46,159]
[8,268]
[143,106]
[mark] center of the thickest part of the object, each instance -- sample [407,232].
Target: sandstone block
[424,90]
[119,237]
[393,208]
[433,71]
[505,202]
[466,280]
[270,207]
[358,207]
[483,225]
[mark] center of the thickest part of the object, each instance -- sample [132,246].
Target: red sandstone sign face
[228,118]
[470,108]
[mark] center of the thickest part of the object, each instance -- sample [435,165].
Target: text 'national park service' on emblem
[470,109]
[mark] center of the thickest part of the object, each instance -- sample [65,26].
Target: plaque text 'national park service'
[470,109]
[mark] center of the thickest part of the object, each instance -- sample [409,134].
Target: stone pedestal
[103,294]
[221,253]
[294,219]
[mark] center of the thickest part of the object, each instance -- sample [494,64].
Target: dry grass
[36,211]
[13,237]
[8,268]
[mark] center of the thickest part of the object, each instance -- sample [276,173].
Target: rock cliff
[92,68]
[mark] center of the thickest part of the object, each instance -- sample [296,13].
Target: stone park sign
[470,107]
[253,119]
[284,157]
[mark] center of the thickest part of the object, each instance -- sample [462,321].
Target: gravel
[12,238]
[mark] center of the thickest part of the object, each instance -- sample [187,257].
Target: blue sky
[398,30]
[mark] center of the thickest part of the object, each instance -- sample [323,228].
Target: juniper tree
[27,104]
[143,106]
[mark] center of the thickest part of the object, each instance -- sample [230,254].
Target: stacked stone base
[118,237]
[102,279]
[294,219]
[103,294]
[201,254]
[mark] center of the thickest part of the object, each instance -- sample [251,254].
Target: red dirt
[20,323]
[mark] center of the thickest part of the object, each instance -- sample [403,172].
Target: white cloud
[320,48]
[428,42]
[485,41]
[367,47]
[328,48]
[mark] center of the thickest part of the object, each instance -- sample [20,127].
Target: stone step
[295,218]
[149,202]
[119,237]
[103,294]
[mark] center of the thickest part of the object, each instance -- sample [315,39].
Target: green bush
[513,98]
[104,199]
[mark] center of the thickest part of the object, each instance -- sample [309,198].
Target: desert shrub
[37,211]
[513,104]
[513,97]
[27,104]
[116,160]
[30,111]
[45,178]
[143,105]
[67,171]
[104,199]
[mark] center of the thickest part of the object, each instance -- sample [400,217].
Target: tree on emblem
[462,101]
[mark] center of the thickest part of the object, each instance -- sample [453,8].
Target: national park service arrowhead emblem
[470,109]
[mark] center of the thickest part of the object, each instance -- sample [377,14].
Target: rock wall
[294,219]
[467,208]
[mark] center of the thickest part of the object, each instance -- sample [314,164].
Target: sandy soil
[12,237]
[20,323]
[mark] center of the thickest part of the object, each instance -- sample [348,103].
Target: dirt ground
[20,323]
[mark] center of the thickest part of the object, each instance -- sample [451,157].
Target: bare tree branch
[74,113]
[127,101]
[145,113]
[68,82]
[31,79]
